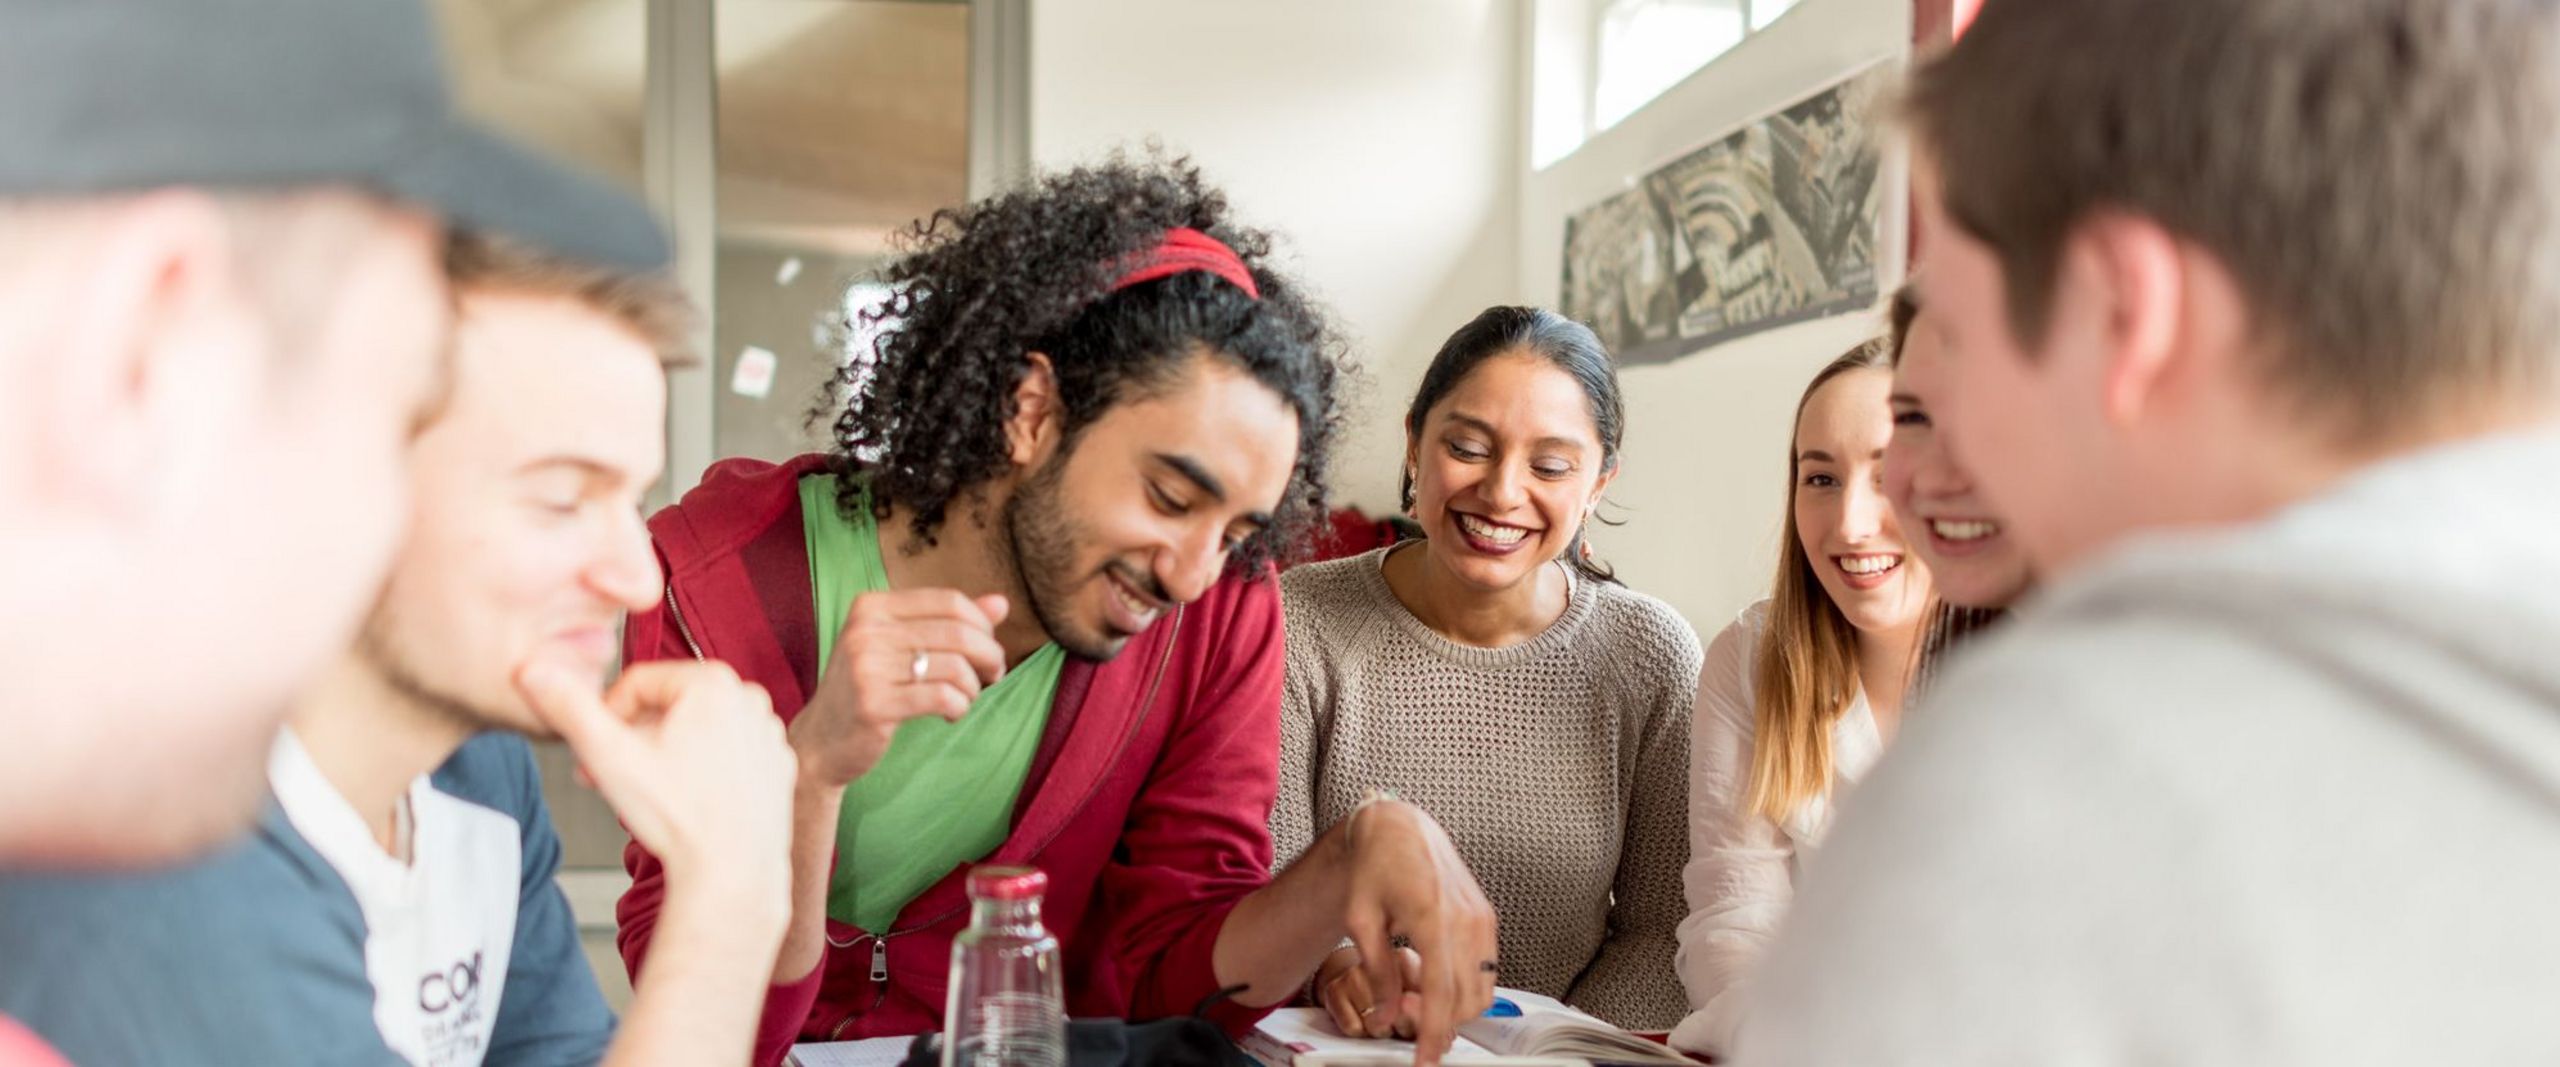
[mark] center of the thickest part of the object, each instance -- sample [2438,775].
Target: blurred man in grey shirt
[2253,309]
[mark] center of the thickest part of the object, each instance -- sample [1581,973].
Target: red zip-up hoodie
[1148,801]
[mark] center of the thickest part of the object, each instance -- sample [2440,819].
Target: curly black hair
[983,285]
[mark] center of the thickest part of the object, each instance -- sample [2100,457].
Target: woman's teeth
[1863,566]
[1495,533]
[1965,530]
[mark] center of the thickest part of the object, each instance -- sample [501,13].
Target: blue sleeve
[551,1013]
[252,955]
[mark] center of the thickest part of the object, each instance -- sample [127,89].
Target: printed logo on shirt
[454,1032]
[440,926]
[439,992]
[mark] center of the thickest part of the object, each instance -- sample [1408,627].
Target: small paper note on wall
[754,374]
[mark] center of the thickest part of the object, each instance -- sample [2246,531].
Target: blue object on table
[1502,1008]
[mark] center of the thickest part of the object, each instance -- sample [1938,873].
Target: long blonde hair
[1806,671]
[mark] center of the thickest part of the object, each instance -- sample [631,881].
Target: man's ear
[155,357]
[1039,419]
[2136,274]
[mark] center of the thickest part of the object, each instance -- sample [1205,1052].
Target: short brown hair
[650,305]
[1904,311]
[2379,176]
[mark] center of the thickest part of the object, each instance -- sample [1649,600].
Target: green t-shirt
[943,794]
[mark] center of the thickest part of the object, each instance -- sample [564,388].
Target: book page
[876,1052]
[1310,1031]
[1547,1027]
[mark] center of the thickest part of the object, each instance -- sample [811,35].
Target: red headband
[1183,250]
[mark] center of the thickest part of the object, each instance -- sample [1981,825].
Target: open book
[875,1052]
[1544,1033]
[1548,1028]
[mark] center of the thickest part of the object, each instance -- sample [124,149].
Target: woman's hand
[1343,988]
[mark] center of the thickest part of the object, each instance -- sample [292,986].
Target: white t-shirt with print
[438,929]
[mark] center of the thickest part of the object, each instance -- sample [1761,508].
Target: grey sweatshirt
[2284,794]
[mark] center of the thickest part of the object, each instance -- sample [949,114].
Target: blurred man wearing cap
[220,319]
[398,902]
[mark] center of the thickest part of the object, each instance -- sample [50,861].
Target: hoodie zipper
[880,942]
[879,969]
[677,614]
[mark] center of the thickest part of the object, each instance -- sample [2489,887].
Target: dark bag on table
[1189,1041]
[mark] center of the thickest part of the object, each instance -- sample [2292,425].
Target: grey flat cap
[107,95]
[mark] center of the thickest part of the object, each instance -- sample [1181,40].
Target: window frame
[1587,25]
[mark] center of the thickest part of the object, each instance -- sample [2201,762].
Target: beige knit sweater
[1559,767]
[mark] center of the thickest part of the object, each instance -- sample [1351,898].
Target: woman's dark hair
[1569,345]
[983,286]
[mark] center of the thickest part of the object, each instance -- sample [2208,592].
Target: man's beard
[1039,545]
[382,648]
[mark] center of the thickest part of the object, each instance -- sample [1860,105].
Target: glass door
[783,142]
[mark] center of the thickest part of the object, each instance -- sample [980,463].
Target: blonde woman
[1800,695]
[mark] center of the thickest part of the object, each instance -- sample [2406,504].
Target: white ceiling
[839,119]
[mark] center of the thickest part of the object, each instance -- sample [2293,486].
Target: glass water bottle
[1007,1006]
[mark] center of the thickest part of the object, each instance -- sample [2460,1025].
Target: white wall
[1385,139]
[1704,483]
[1379,137]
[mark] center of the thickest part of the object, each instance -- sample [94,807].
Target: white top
[438,931]
[1742,867]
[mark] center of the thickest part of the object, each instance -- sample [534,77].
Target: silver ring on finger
[917,667]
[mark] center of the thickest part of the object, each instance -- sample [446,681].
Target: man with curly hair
[1022,614]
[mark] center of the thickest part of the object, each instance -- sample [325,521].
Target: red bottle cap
[1007,883]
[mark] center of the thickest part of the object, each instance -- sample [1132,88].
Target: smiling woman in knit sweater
[1498,677]
[1800,694]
